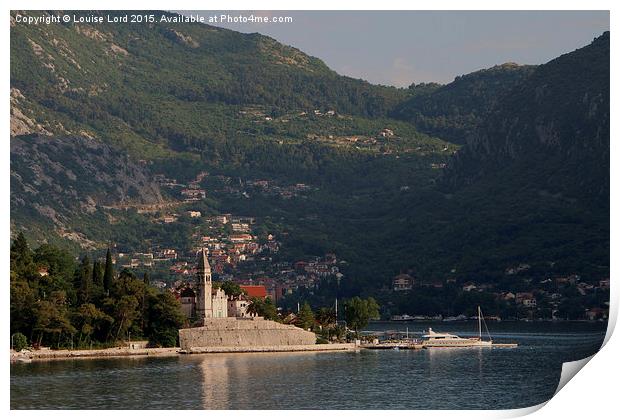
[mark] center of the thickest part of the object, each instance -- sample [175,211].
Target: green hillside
[183,98]
[146,87]
[532,184]
[453,111]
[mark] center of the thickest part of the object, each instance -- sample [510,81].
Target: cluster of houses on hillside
[228,247]
[276,279]
[548,293]
[239,188]
[188,193]
[236,253]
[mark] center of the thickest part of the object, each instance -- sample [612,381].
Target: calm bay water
[368,379]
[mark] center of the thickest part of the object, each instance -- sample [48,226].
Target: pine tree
[108,274]
[305,316]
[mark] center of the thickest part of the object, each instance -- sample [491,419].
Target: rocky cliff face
[57,179]
[553,127]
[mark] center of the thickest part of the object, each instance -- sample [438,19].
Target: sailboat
[437,339]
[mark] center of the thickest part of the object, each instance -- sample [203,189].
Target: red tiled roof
[255,291]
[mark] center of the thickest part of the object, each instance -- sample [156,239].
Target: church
[204,303]
[215,328]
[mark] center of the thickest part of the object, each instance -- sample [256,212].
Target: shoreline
[116,352]
[112,352]
[403,321]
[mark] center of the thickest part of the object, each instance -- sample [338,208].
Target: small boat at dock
[436,339]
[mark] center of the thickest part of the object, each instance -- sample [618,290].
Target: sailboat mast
[336,311]
[479,323]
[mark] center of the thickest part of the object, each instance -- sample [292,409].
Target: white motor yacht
[437,339]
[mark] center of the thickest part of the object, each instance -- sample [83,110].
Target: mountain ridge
[561,112]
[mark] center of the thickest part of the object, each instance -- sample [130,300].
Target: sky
[401,47]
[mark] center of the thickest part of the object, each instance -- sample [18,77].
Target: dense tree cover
[535,190]
[454,111]
[108,273]
[555,138]
[60,303]
[322,322]
[326,316]
[19,341]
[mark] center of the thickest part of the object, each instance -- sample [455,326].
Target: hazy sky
[398,48]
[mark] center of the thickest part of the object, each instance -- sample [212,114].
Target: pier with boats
[398,340]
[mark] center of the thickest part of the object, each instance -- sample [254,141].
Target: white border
[590,395]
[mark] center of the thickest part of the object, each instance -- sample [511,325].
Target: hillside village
[238,253]
[551,298]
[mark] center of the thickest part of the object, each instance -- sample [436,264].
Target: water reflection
[215,373]
[231,381]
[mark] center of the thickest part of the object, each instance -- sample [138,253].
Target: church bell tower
[204,302]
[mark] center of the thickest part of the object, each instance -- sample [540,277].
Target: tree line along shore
[78,304]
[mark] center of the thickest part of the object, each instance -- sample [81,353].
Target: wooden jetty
[418,346]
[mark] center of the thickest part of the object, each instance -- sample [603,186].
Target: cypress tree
[97,274]
[146,278]
[108,274]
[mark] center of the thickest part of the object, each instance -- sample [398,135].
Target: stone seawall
[233,332]
[271,349]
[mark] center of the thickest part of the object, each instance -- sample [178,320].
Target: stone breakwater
[271,349]
[244,333]
[29,356]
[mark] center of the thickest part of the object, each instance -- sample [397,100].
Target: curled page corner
[569,370]
[519,412]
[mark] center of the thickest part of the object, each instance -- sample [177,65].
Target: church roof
[203,260]
[255,291]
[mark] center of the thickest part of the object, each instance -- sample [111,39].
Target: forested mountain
[59,185]
[553,127]
[532,182]
[184,97]
[145,85]
[453,111]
